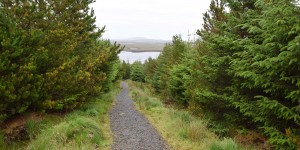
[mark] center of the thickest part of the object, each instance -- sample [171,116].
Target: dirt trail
[132,131]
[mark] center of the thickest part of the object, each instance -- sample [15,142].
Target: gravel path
[132,131]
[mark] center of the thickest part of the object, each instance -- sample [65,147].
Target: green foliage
[19,83]
[170,56]
[264,70]
[73,131]
[150,67]
[244,70]
[2,139]
[137,72]
[177,83]
[84,128]
[146,102]
[48,49]
[225,144]
[181,129]
[124,72]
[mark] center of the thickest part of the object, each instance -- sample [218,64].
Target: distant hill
[142,40]
[139,44]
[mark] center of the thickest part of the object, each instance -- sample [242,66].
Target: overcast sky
[156,19]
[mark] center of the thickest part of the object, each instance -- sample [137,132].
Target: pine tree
[265,72]
[137,72]
[47,49]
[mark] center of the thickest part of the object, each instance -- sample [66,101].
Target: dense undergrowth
[179,128]
[84,128]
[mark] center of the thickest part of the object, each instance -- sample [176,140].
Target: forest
[48,49]
[52,59]
[242,73]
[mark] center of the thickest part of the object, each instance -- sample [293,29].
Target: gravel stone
[132,131]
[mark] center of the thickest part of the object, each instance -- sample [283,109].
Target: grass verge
[87,128]
[180,129]
[84,128]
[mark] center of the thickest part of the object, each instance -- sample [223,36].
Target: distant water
[137,56]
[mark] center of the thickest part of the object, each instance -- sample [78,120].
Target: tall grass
[179,128]
[76,131]
[225,144]
[85,128]
[35,127]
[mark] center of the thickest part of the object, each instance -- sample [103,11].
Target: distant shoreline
[141,51]
[139,45]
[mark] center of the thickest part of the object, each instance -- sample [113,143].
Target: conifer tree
[137,72]
[265,72]
[52,57]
